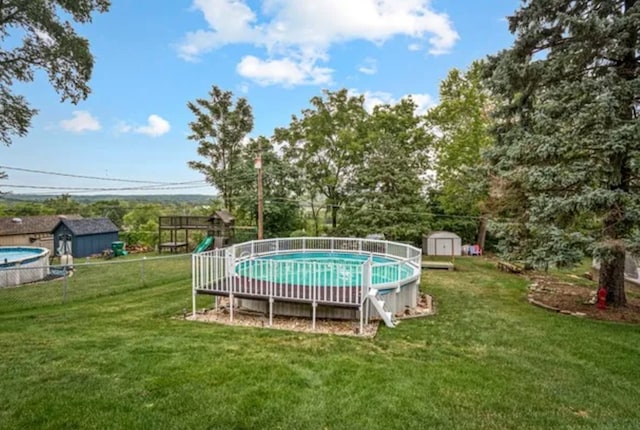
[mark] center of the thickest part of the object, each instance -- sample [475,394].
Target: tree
[141,224]
[63,204]
[461,125]
[220,128]
[567,130]
[114,209]
[387,193]
[47,43]
[280,186]
[324,144]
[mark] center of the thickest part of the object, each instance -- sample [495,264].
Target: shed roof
[38,224]
[85,226]
[442,234]
[223,215]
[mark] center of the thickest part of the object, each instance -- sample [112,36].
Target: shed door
[444,246]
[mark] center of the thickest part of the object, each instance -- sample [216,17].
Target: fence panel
[88,279]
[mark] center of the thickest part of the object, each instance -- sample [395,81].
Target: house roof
[224,215]
[85,226]
[11,226]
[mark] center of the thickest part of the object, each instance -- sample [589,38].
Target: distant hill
[195,199]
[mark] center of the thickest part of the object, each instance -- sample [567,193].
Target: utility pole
[258,165]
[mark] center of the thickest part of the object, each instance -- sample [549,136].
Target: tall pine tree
[567,133]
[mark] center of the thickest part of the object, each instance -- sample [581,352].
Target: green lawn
[113,356]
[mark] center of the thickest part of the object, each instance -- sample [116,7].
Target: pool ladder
[379,304]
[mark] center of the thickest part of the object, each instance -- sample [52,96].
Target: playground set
[219,231]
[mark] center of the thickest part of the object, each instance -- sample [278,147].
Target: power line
[248,177]
[177,185]
[71,175]
[307,204]
[237,180]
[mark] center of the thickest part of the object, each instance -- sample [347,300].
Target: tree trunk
[616,224]
[334,216]
[482,232]
[612,274]
[314,212]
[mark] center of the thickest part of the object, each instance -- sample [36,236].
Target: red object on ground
[602,298]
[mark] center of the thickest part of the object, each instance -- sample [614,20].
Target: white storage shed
[442,243]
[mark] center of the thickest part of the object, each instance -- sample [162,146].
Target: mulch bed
[555,295]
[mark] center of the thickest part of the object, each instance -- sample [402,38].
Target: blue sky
[152,57]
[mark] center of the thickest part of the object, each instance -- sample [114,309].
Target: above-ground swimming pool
[22,264]
[324,268]
[339,277]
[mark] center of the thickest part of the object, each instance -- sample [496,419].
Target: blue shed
[84,237]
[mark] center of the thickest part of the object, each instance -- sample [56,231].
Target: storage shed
[442,243]
[30,230]
[84,237]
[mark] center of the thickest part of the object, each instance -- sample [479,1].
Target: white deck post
[270,311]
[314,305]
[230,307]
[366,286]
[193,284]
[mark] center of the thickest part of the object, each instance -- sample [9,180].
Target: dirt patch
[559,296]
[324,326]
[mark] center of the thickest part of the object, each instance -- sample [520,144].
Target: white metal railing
[235,271]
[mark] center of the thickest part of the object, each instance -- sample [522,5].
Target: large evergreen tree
[567,133]
[220,128]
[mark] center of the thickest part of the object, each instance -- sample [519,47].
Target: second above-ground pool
[22,264]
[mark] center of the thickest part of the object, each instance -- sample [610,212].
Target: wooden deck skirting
[249,288]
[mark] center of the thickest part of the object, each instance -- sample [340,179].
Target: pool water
[322,269]
[13,254]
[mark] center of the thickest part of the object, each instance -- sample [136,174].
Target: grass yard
[115,357]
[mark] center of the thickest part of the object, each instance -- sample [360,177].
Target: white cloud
[81,121]
[370,67]
[287,72]
[376,98]
[302,32]
[423,101]
[414,47]
[156,126]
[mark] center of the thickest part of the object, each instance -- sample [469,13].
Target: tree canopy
[567,129]
[280,189]
[387,193]
[461,125]
[49,43]
[221,128]
[325,143]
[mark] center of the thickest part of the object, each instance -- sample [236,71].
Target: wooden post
[258,165]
